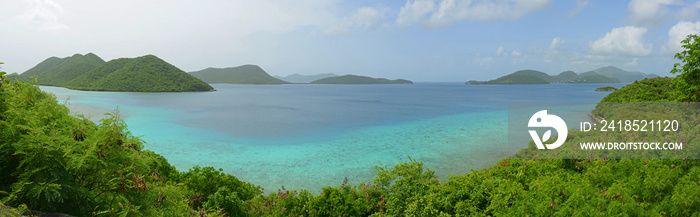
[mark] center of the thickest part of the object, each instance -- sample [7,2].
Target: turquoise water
[310,136]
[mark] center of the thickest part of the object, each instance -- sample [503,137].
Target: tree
[689,69]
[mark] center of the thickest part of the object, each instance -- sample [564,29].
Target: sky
[419,40]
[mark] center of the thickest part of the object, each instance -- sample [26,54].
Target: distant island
[606,88]
[356,79]
[297,78]
[245,74]
[89,72]
[608,74]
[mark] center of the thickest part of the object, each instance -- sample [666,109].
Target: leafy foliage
[227,201]
[55,162]
[207,181]
[688,81]
[659,89]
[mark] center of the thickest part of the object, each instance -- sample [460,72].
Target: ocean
[311,136]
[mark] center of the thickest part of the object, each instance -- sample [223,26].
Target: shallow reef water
[310,136]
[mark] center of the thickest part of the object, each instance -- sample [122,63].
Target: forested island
[56,162]
[245,74]
[356,79]
[608,74]
[297,78]
[89,72]
[606,89]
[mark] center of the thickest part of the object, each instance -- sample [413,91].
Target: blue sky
[420,40]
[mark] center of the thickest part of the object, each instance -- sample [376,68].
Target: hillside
[56,71]
[593,77]
[142,74]
[297,78]
[245,74]
[514,79]
[538,77]
[356,79]
[89,72]
[534,73]
[621,75]
[565,76]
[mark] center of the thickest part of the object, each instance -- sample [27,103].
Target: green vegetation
[603,75]
[659,89]
[56,71]
[142,74]
[245,74]
[566,76]
[593,77]
[54,162]
[515,79]
[356,79]
[689,69]
[297,78]
[606,88]
[621,75]
[59,163]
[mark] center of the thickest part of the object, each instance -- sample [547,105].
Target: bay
[310,136]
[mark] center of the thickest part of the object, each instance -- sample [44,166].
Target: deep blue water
[310,136]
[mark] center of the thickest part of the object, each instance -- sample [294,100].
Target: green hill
[535,73]
[565,76]
[89,72]
[245,74]
[142,74]
[537,77]
[56,71]
[619,74]
[297,78]
[593,77]
[356,79]
[513,79]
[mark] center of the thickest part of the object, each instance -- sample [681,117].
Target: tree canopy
[142,74]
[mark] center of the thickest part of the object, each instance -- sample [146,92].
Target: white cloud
[364,17]
[633,62]
[622,41]
[678,32]
[650,13]
[414,11]
[449,12]
[42,15]
[580,4]
[553,52]
[515,56]
[515,53]
[500,51]
[555,43]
